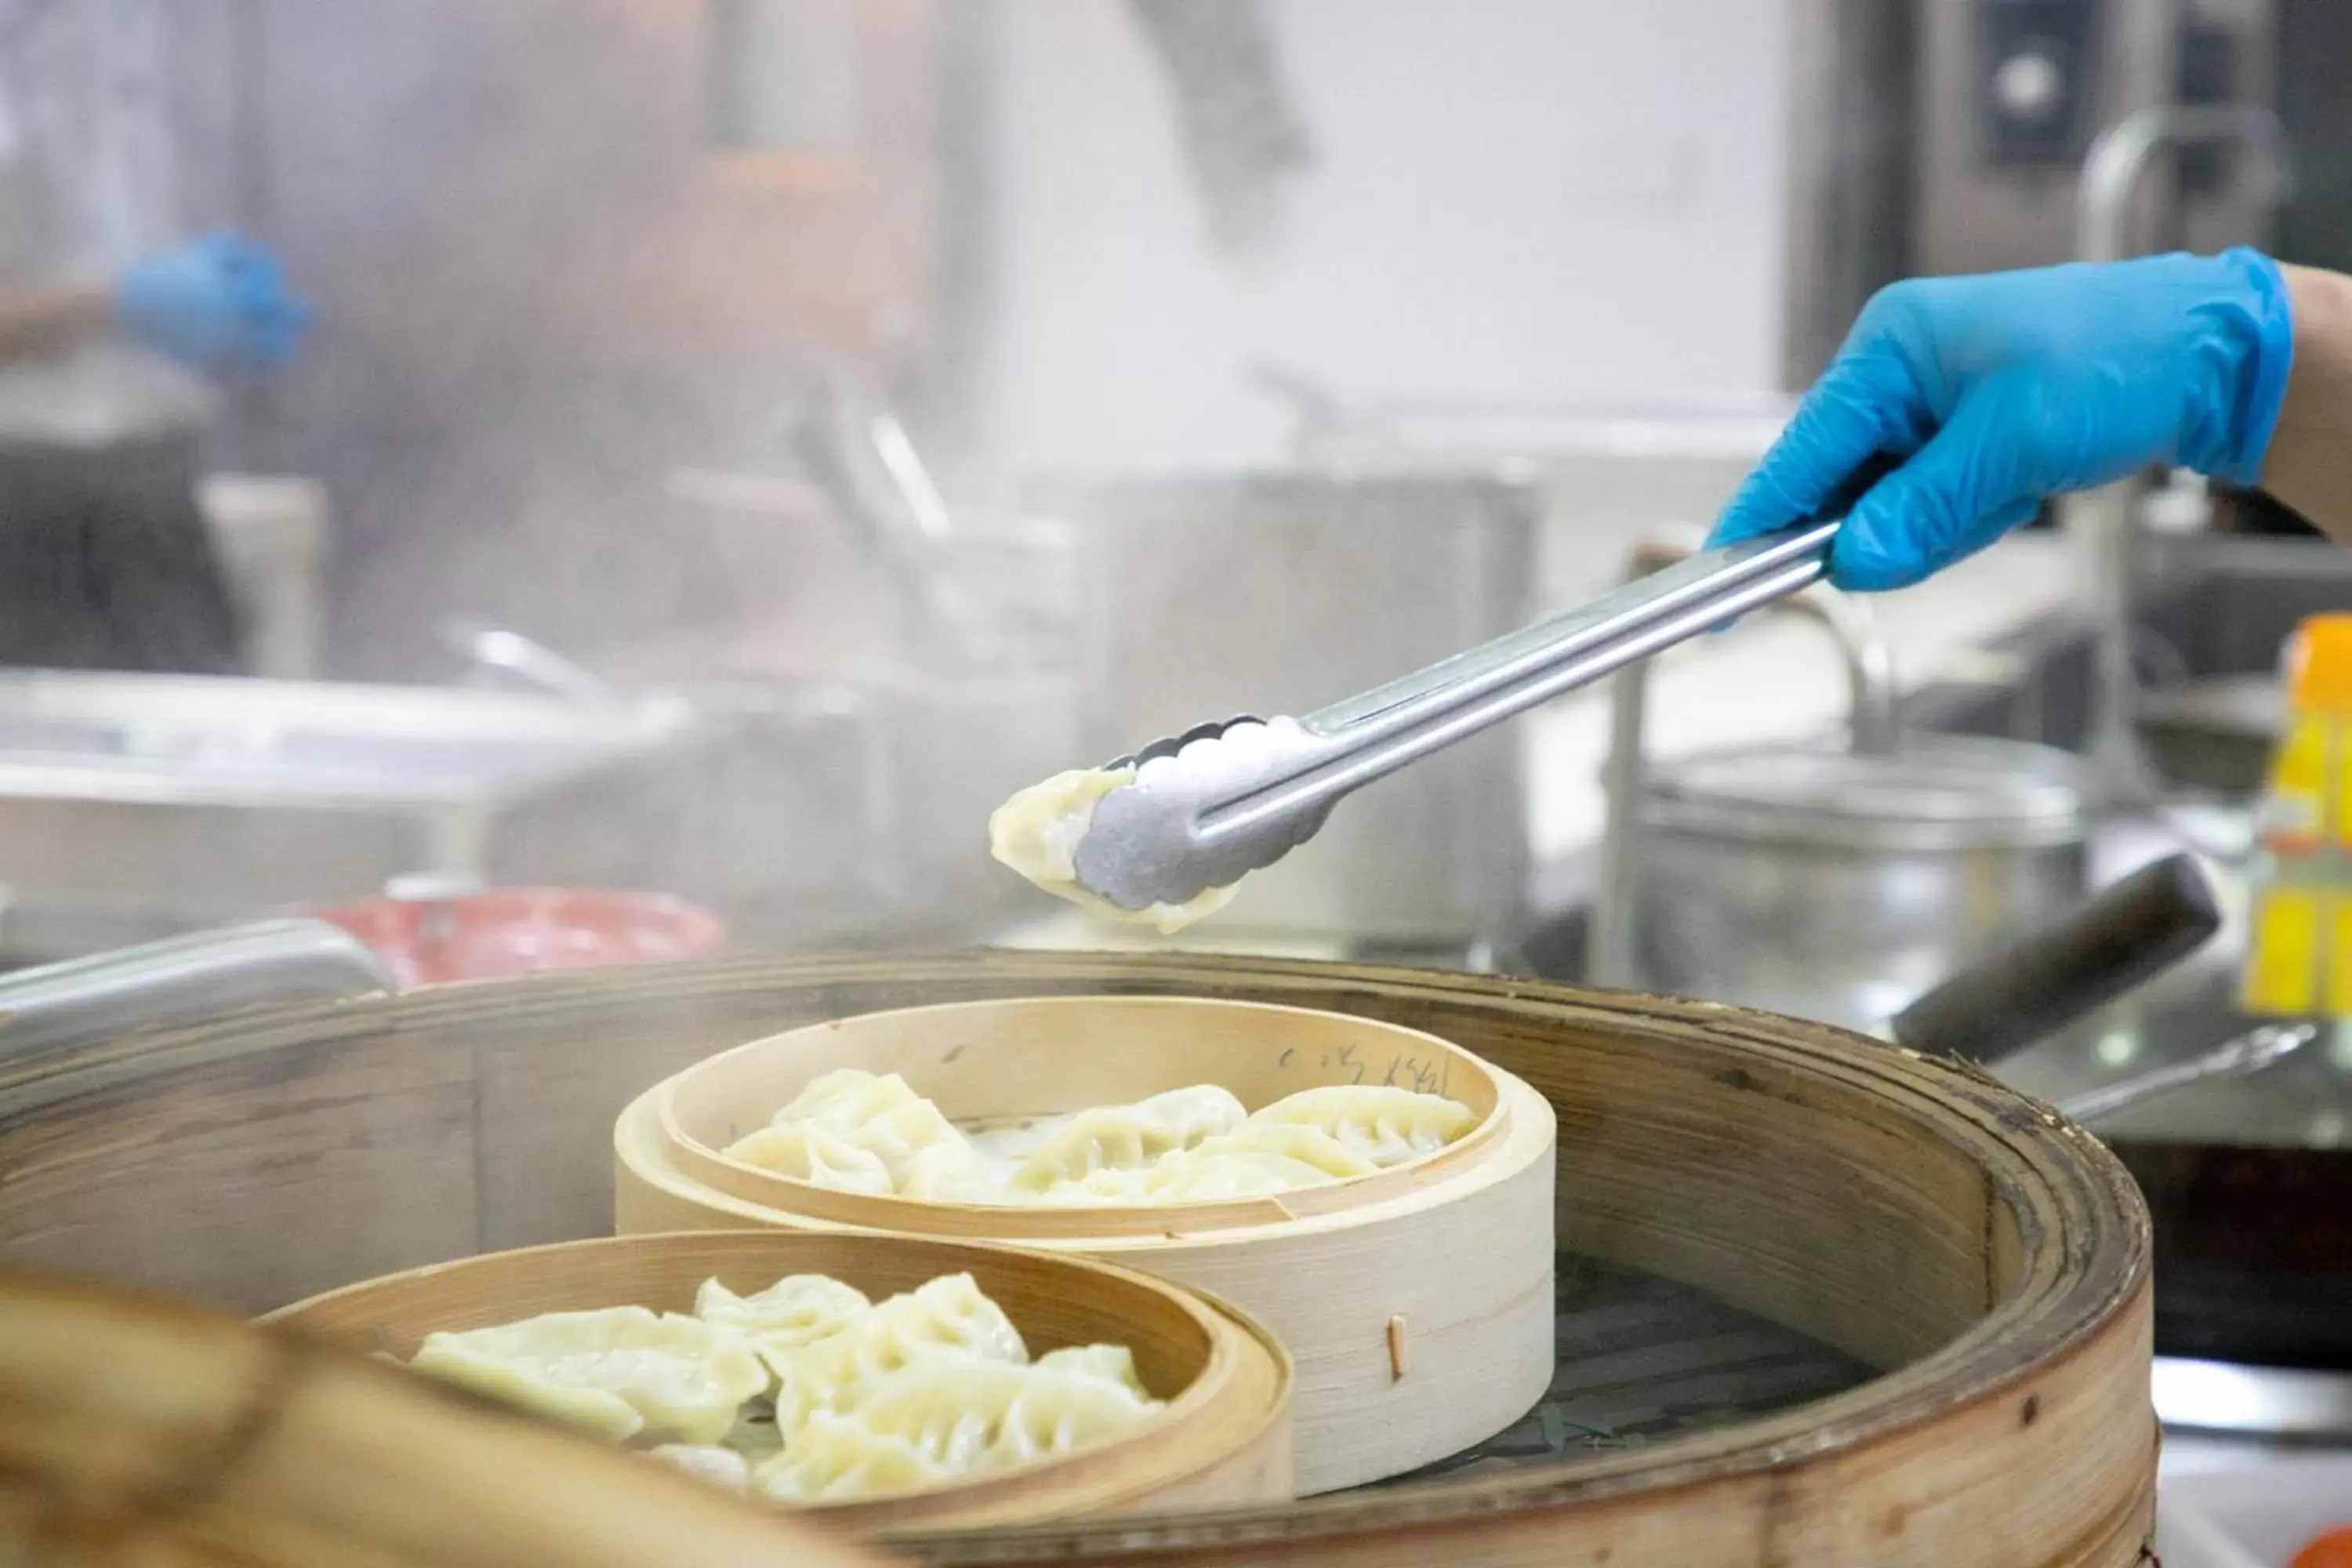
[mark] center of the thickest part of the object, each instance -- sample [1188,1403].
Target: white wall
[1515,201]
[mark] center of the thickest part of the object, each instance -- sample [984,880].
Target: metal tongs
[1210,806]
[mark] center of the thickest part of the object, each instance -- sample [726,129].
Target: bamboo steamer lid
[1986,1259]
[1224,1437]
[1417,1301]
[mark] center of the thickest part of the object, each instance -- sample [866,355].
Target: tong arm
[1217,803]
[1366,737]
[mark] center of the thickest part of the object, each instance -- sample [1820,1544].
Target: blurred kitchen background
[744,439]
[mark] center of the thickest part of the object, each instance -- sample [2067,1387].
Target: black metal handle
[2032,989]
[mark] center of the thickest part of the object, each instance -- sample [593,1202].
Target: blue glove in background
[1998,391]
[220,305]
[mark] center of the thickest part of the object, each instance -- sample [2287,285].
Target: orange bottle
[2299,959]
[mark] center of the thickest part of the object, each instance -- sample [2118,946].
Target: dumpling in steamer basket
[1105,1364]
[1292,1141]
[796,1310]
[620,1371]
[879,1112]
[1105,1188]
[857,1132]
[847,1097]
[1198,1175]
[948,1319]
[949,1173]
[1253,1161]
[1128,1137]
[1388,1126]
[817,1155]
[972,1417]
[833,1458]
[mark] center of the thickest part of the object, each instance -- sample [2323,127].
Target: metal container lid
[1935,792]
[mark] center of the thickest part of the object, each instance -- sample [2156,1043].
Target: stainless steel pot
[1836,886]
[1831,882]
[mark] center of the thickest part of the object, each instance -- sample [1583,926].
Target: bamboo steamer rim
[1242,1386]
[2081,1275]
[1194,1219]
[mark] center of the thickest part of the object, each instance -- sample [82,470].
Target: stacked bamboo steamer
[1224,1438]
[1988,1260]
[1416,1303]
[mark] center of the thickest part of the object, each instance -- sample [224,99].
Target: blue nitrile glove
[1998,392]
[220,305]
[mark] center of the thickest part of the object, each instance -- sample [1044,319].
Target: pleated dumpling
[948,1319]
[880,1113]
[815,1154]
[796,1310]
[1105,1188]
[1291,1140]
[1202,1175]
[977,1417]
[1254,1160]
[621,1372]
[1128,1137]
[833,1458]
[948,1173]
[1106,1364]
[1388,1126]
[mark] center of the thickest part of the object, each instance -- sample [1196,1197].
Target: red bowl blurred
[508,931]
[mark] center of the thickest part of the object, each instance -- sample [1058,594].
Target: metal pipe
[2105,519]
[2124,153]
[1869,665]
[1871,730]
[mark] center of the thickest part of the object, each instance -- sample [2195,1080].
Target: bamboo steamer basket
[1979,1263]
[1224,1438]
[137,1432]
[1417,1301]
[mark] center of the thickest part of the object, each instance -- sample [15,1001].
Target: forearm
[46,318]
[2310,462]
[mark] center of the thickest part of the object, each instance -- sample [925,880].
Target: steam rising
[560,319]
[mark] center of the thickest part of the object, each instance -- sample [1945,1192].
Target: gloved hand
[220,305]
[1998,392]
